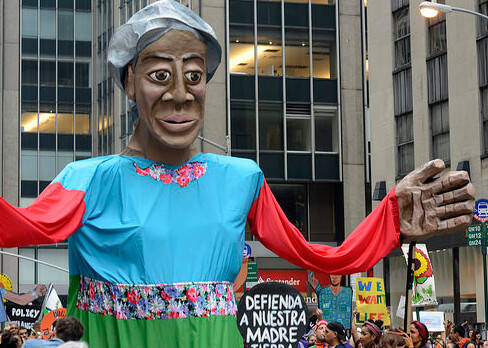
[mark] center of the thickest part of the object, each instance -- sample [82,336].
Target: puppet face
[169,85]
[335,279]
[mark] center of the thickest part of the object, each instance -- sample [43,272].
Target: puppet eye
[193,76]
[160,76]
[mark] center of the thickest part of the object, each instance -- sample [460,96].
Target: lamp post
[430,9]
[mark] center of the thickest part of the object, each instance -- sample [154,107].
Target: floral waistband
[161,301]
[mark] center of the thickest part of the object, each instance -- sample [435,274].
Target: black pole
[456,285]
[408,290]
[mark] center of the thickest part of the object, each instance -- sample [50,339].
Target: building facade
[288,94]
[428,99]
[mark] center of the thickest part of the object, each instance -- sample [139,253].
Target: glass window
[83,5]
[65,25]
[439,118]
[324,55]
[65,74]
[322,219]
[296,14]
[323,17]
[83,26]
[269,12]
[272,164]
[47,165]
[482,23]
[326,131]
[241,51]
[48,24]
[29,72]
[404,140]
[30,3]
[29,22]
[58,257]
[270,60]
[297,56]
[437,35]
[26,268]
[243,125]
[83,75]
[298,134]
[299,166]
[48,73]
[270,126]
[484,116]
[327,166]
[29,165]
[293,200]
[82,124]
[241,11]
[401,36]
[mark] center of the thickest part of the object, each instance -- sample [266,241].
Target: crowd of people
[376,335]
[67,334]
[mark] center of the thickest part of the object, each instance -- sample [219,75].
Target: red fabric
[372,240]
[52,218]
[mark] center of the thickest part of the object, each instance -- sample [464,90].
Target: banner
[26,315]
[295,278]
[371,300]
[423,288]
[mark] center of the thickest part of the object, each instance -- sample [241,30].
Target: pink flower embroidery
[198,171]
[133,297]
[166,178]
[191,294]
[182,180]
[184,171]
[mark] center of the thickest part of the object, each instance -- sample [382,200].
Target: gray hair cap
[148,25]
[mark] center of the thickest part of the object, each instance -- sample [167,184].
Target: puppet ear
[129,83]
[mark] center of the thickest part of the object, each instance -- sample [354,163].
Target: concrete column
[351,79]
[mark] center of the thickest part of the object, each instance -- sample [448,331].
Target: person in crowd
[66,329]
[477,339]
[458,336]
[394,339]
[23,333]
[470,344]
[10,340]
[36,330]
[419,334]
[312,339]
[13,327]
[485,344]
[335,335]
[370,334]
[319,331]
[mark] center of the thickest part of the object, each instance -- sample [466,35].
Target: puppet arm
[372,240]
[52,218]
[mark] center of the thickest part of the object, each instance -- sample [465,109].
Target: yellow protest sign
[371,301]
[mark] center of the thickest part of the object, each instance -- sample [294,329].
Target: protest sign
[26,315]
[433,320]
[47,322]
[272,315]
[371,300]
[423,287]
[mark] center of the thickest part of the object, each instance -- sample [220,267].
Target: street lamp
[430,9]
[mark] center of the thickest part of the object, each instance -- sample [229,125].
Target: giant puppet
[156,233]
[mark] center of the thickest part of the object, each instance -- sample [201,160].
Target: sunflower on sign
[422,267]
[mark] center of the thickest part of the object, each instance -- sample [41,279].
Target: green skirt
[106,331]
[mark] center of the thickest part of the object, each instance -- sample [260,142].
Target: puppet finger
[448,182]
[465,193]
[457,223]
[455,209]
[428,170]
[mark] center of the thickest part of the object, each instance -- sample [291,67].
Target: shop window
[271,126]
[29,23]
[439,118]
[243,125]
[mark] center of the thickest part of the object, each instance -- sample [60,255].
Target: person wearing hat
[332,335]
[156,233]
[419,334]
[320,330]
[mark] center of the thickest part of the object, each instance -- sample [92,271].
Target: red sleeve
[372,240]
[52,218]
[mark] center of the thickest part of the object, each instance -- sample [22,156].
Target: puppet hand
[439,206]
[41,290]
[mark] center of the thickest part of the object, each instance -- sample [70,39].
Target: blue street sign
[247,250]
[480,212]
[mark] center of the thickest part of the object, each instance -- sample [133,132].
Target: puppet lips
[177,123]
